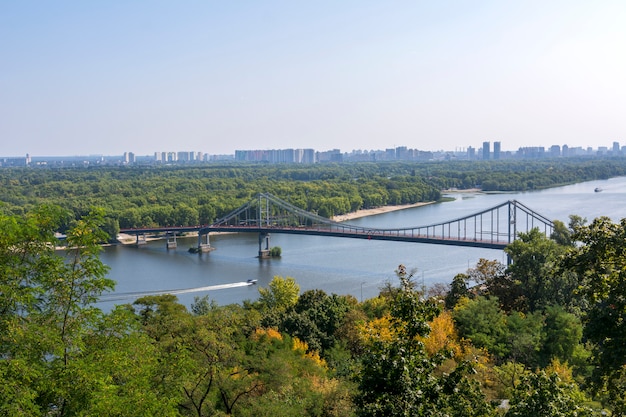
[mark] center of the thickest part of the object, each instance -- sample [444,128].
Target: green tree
[281,294]
[542,395]
[599,262]
[534,277]
[458,290]
[316,317]
[59,354]
[483,322]
[398,376]
[563,334]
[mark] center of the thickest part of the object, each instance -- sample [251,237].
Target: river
[337,265]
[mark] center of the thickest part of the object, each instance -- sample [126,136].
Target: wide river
[337,265]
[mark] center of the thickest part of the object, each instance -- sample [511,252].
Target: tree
[599,262]
[542,395]
[59,354]
[397,376]
[483,322]
[533,273]
[281,295]
[563,333]
[458,290]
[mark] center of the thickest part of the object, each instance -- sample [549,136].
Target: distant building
[486,151]
[555,151]
[471,153]
[129,158]
[277,156]
[334,155]
[531,152]
[496,150]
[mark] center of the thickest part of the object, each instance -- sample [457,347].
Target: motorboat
[597,189]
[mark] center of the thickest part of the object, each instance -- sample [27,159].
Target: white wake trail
[134,295]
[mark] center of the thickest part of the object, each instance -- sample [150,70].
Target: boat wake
[119,296]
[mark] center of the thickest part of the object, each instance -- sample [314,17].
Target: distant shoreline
[376,210]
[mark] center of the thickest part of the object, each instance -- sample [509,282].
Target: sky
[107,77]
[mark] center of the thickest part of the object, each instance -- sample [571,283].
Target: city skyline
[84,78]
[310,155]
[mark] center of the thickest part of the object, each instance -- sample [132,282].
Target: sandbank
[376,210]
[461,191]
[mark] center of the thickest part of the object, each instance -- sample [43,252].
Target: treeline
[545,333]
[166,196]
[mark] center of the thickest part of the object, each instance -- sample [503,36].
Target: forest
[542,336]
[142,196]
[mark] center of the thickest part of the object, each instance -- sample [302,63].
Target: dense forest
[138,196]
[543,336]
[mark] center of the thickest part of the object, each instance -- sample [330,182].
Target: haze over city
[84,78]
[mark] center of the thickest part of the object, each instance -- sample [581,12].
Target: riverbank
[377,210]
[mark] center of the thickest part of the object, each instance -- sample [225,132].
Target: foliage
[281,295]
[275,252]
[397,375]
[542,395]
[136,196]
[458,290]
[59,354]
[533,273]
[483,322]
[599,262]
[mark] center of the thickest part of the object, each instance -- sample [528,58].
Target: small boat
[252,282]
[597,189]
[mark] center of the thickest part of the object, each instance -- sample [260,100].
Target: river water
[337,265]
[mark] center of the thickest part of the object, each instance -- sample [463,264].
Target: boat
[597,189]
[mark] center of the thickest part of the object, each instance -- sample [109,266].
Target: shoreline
[376,210]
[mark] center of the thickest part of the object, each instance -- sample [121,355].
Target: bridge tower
[264,220]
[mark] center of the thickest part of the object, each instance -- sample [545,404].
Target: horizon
[608,147]
[108,78]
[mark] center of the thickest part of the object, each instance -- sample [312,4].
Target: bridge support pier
[204,245]
[141,240]
[264,238]
[170,241]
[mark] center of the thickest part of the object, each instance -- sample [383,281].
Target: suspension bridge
[492,228]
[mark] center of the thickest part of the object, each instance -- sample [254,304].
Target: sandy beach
[374,211]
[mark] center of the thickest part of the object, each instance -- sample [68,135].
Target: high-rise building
[486,151]
[471,153]
[496,150]
[555,151]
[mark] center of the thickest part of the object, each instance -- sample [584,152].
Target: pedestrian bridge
[493,228]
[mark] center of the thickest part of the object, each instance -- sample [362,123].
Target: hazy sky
[104,77]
